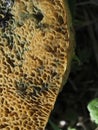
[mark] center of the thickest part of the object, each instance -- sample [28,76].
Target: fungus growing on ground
[36,48]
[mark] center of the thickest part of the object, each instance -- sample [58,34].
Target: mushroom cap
[36,48]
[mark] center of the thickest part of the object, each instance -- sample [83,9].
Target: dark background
[82,84]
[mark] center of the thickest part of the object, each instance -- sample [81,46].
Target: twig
[87,3]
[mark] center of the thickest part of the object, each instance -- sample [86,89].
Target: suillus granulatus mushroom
[36,48]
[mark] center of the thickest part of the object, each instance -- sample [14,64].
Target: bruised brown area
[34,56]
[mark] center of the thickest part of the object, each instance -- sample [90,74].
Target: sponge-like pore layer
[35,54]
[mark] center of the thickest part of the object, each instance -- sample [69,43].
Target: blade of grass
[55,127]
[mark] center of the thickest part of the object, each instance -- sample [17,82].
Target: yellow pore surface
[34,51]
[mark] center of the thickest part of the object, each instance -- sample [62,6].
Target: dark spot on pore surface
[39,16]
[60,20]
[45,86]
[5,12]
[1,90]
[3,126]
[54,74]
[21,86]
[10,61]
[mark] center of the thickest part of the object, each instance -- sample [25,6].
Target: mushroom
[36,48]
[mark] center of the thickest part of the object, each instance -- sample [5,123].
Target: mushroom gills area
[34,49]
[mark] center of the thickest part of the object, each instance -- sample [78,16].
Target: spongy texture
[35,52]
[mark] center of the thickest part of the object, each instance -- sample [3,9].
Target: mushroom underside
[35,55]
